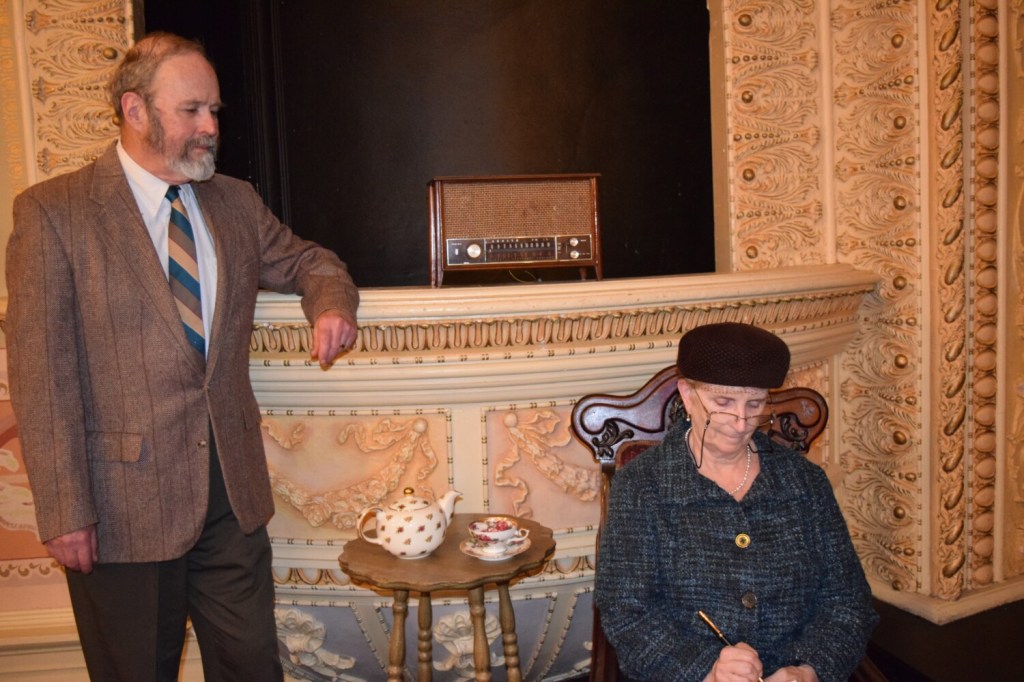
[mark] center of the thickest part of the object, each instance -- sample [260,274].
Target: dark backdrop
[341,112]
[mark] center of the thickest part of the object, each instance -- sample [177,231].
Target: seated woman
[718,518]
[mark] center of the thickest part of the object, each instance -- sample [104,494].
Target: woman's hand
[793,673]
[735,664]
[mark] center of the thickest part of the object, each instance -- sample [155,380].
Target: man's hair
[136,71]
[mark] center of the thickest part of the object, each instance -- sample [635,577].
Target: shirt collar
[149,190]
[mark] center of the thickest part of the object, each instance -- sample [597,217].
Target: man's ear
[134,107]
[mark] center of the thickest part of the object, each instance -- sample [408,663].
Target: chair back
[618,428]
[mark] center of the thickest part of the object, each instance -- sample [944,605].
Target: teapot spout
[447,503]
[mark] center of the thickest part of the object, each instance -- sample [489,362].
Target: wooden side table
[448,568]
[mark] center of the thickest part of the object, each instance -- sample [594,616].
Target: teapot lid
[410,502]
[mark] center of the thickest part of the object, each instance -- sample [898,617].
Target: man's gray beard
[196,171]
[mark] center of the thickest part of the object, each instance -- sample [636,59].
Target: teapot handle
[362,519]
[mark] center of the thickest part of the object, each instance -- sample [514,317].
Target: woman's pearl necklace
[746,472]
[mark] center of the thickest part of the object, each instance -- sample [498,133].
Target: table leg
[396,649]
[481,652]
[425,645]
[507,617]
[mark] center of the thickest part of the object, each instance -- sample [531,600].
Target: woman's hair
[136,71]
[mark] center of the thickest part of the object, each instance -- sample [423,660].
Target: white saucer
[469,547]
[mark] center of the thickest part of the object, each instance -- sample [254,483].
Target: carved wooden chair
[618,428]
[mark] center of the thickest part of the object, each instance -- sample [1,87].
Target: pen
[718,633]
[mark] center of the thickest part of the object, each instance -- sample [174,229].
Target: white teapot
[412,527]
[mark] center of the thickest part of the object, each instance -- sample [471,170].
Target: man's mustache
[208,142]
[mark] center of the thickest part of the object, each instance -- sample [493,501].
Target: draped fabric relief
[537,470]
[326,469]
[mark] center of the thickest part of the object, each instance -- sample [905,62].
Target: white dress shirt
[150,195]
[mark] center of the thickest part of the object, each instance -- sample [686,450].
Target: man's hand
[332,334]
[76,550]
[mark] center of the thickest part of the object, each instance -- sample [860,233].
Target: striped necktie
[183,272]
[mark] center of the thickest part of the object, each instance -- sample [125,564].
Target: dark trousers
[131,617]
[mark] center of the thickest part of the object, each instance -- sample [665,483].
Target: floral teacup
[496,534]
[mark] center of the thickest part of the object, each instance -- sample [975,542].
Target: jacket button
[742,540]
[748,600]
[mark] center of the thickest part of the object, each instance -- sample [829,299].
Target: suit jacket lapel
[218,221]
[119,221]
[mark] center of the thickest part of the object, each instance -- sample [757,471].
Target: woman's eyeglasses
[723,418]
[726,418]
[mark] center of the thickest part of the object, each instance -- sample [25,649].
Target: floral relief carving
[455,633]
[533,436]
[411,456]
[303,636]
[877,229]
[951,319]
[774,133]
[73,47]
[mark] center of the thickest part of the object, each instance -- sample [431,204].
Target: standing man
[132,288]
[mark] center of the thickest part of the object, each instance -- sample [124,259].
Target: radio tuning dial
[574,242]
[474,250]
[574,254]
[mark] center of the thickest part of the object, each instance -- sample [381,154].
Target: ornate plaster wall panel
[72,47]
[16,172]
[878,228]
[326,468]
[774,132]
[949,308]
[979,334]
[535,467]
[1014,298]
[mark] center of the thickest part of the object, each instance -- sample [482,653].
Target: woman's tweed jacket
[796,593]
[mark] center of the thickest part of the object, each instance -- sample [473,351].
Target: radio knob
[574,254]
[574,242]
[473,250]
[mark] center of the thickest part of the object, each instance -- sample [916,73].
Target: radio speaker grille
[488,222]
